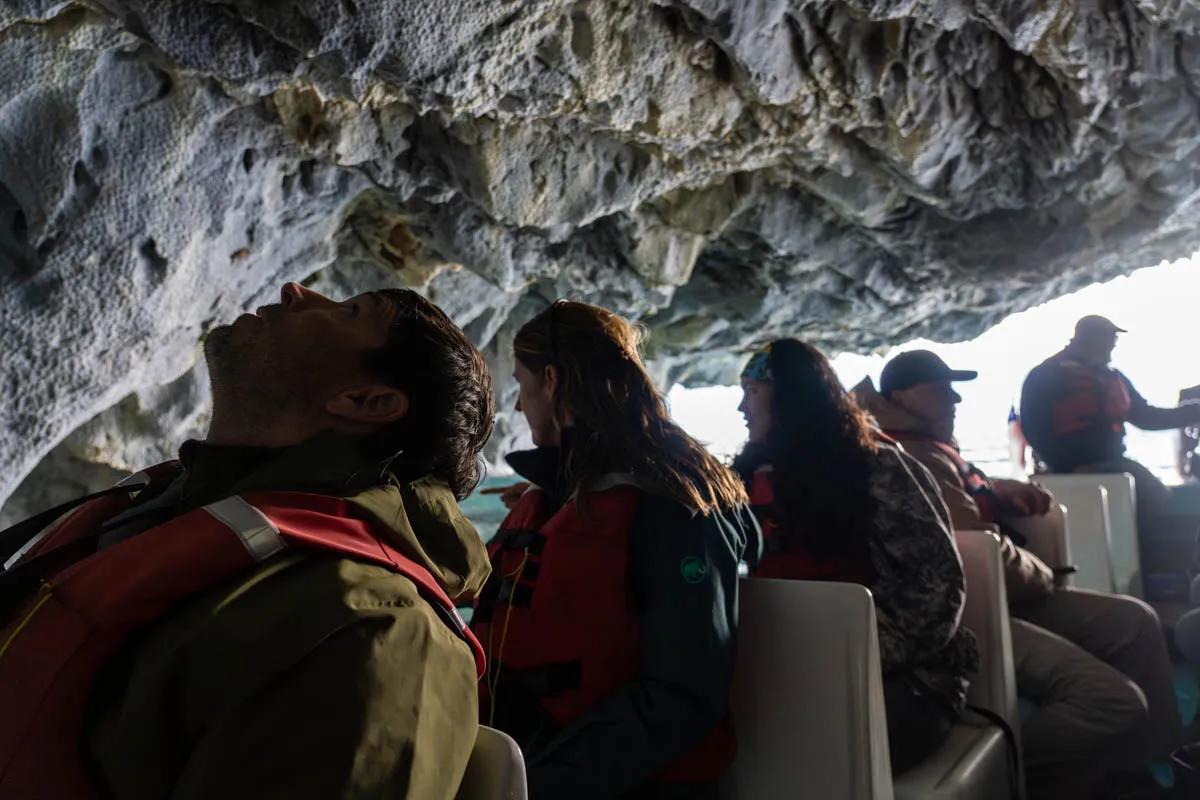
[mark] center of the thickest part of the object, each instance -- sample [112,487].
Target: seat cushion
[972,764]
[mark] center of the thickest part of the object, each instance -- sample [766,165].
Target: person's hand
[1023,499]
[509,495]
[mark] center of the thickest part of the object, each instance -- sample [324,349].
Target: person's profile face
[536,400]
[304,349]
[932,401]
[1106,346]
[756,408]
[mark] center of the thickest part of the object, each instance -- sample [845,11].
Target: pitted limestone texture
[858,173]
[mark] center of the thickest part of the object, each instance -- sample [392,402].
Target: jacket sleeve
[1155,418]
[1025,576]
[683,574]
[342,723]
[919,584]
[286,689]
[1036,406]
[964,511]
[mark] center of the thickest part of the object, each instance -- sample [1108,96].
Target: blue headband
[758,368]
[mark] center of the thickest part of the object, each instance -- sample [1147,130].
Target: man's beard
[236,374]
[218,346]
[251,381]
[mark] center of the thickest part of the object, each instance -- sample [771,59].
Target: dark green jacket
[311,676]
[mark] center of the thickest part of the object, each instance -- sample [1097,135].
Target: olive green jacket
[312,676]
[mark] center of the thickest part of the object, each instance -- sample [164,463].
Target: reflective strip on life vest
[35,541]
[258,534]
[137,477]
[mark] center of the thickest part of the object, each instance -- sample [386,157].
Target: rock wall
[859,172]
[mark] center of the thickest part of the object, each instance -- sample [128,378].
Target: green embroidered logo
[693,569]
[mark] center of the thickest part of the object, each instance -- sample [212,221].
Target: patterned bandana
[758,368]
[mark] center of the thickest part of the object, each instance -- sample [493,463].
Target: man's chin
[218,341]
[225,345]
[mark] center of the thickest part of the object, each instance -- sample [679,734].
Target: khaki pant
[1096,667]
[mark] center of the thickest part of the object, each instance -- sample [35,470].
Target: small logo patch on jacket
[693,569]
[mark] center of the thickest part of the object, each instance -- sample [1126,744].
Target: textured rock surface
[862,172]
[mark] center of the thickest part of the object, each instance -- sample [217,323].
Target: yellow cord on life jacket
[494,680]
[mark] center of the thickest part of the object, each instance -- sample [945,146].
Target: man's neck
[240,428]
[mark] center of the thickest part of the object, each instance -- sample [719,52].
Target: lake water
[486,512]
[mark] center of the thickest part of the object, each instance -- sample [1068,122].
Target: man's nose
[293,296]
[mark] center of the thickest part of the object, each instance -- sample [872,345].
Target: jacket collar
[328,463]
[545,468]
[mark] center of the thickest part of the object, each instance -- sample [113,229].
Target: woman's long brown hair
[822,448]
[620,418]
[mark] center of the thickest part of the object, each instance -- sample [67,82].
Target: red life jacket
[1088,400]
[975,482]
[790,560]
[560,622]
[52,650]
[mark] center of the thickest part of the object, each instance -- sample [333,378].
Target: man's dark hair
[451,407]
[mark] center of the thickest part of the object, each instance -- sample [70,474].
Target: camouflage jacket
[919,588]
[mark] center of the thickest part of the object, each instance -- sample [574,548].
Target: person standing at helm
[1074,408]
[609,617]
[271,615]
[1080,657]
[839,503]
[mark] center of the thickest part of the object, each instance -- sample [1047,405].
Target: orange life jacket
[975,482]
[52,650]
[1088,400]
[557,617]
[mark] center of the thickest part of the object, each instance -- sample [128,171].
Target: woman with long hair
[839,502]
[609,616]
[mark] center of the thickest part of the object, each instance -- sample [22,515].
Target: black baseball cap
[919,366]
[1095,324]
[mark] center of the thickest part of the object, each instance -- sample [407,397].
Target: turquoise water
[486,511]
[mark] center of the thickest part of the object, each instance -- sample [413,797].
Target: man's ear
[371,404]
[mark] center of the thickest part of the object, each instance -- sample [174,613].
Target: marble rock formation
[858,171]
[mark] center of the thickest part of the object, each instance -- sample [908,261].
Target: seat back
[807,694]
[1046,537]
[1087,528]
[986,615]
[1123,539]
[496,769]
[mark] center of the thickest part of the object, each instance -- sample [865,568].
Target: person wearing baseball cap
[1079,674]
[919,366]
[1074,408]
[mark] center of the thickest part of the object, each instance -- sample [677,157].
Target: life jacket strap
[17,540]
[515,594]
[523,538]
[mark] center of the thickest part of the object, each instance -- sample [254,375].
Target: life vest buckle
[515,594]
